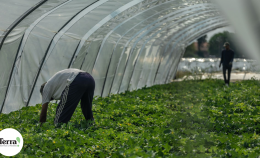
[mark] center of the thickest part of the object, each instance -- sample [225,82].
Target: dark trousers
[82,88]
[225,68]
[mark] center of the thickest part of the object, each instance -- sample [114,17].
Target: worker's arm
[221,59]
[232,58]
[43,115]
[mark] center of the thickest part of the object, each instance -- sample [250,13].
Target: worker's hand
[230,63]
[43,114]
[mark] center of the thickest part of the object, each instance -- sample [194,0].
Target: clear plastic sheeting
[123,44]
[10,10]
[41,37]
[13,41]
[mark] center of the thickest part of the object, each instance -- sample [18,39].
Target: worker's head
[42,86]
[226,45]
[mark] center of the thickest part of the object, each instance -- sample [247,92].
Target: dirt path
[234,76]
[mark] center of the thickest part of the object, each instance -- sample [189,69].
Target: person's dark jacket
[227,56]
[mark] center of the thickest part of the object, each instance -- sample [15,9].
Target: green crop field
[181,119]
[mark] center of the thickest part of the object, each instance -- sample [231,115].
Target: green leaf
[167,131]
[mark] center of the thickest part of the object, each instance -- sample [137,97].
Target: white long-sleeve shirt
[57,83]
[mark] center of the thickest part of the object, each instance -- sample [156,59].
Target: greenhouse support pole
[73,56]
[17,21]
[43,59]
[9,81]
[107,72]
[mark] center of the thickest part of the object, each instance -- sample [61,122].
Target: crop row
[181,119]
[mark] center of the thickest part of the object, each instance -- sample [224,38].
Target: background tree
[217,41]
[201,41]
[190,52]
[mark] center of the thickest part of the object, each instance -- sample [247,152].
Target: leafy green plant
[183,119]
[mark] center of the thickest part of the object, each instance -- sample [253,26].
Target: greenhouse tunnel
[123,44]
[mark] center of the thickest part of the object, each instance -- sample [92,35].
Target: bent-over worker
[69,86]
[227,57]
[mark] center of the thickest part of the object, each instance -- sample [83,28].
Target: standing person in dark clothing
[69,86]
[227,57]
